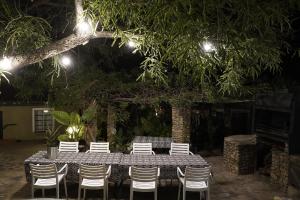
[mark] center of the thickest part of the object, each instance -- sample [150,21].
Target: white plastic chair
[68,147]
[194,180]
[93,177]
[47,177]
[142,148]
[99,147]
[180,149]
[143,180]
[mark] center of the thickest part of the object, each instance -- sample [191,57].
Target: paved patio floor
[225,187]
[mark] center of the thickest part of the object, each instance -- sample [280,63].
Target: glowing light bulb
[131,44]
[6,64]
[66,61]
[84,28]
[208,47]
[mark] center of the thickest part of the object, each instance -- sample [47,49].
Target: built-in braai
[276,123]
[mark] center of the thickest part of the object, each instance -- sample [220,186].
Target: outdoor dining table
[168,163]
[157,142]
[73,160]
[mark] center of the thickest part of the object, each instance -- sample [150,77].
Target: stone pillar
[240,154]
[111,123]
[280,168]
[181,123]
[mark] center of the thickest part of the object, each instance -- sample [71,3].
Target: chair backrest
[197,173]
[180,148]
[92,171]
[68,147]
[142,148]
[101,147]
[144,174]
[43,171]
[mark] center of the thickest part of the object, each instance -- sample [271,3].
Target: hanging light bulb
[6,63]
[66,61]
[131,44]
[208,47]
[84,28]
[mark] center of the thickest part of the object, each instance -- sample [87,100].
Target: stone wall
[280,168]
[111,123]
[240,154]
[181,123]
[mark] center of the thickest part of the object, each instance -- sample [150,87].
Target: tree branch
[60,46]
[55,48]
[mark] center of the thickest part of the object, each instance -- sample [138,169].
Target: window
[41,120]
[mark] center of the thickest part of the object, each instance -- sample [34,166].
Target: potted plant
[51,141]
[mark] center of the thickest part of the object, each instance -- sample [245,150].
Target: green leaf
[61,117]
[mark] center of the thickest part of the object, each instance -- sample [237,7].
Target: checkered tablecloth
[157,142]
[168,163]
[73,160]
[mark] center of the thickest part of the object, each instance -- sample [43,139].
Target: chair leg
[179,188]
[131,194]
[200,195]
[104,193]
[66,189]
[155,194]
[57,191]
[43,192]
[84,193]
[208,195]
[79,192]
[183,193]
[32,192]
[107,190]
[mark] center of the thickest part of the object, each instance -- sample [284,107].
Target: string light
[84,28]
[208,47]
[66,61]
[131,44]
[6,63]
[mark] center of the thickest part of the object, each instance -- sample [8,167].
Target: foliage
[51,136]
[76,124]
[75,127]
[249,37]
[21,32]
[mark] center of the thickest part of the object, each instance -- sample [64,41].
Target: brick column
[181,123]
[111,123]
[280,168]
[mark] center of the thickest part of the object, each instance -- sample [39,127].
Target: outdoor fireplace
[276,124]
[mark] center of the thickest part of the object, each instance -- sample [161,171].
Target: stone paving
[225,187]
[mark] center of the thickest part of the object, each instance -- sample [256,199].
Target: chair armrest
[152,152]
[211,177]
[191,153]
[88,151]
[158,171]
[170,152]
[108,172]
[179,173]
[65,167]
[108,151]
[131,152]
[129,171]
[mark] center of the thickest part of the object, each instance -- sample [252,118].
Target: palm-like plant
[75,123]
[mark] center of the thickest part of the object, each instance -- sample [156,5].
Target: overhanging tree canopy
[248,37]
